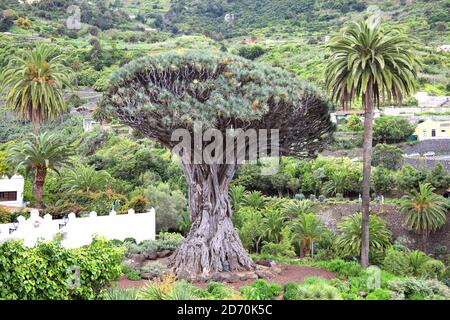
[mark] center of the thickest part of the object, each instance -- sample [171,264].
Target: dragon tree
[158,95]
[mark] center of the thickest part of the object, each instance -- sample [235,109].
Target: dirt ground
[289,273]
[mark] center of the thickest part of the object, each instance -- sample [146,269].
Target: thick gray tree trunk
[212,240]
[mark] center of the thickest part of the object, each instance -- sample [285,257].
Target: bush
[397,262]
[121,294]
[410,287]
[219,291]
[138,203]
[155,268]
[260,290]
[344,269]
[5,216]
[312,289]
[387,156]
[434,269]
[379,294]
[47,270]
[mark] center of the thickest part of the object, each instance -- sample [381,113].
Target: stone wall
[394,219]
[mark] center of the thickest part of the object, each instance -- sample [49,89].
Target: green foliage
[432,269]
[382,180]
[138,203]
[85,179]
[116,293]
[379,294]
[169,204]
[43,272]
[387,156]
[5,216]
[312,289]
[344,269]
[354,123]
[425,211]
[251,52]
[282,248]
[349,242]
[251,227]
[409,287]
[306,229]
[439,178]
[408,178]
[391,129]
[397,262]
[260,290]
[33,82]
[374,63]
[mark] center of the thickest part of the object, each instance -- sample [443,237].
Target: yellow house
[430,129]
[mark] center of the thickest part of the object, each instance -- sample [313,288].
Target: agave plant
[349,242]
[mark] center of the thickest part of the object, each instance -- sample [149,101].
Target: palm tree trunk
[367,166]
[36,123]
[38,187]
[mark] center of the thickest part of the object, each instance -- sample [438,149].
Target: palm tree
[425,210]
[350,227]
[85,179]
[305,230]
[273,223]
[373,64]
[37,155]
[254,199]
[296,208]
[237,194]
[34,82]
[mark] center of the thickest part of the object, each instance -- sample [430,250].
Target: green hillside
[286,33]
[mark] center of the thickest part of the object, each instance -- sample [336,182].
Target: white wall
[79,231]
[16,183]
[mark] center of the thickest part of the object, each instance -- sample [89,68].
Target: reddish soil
[289,273]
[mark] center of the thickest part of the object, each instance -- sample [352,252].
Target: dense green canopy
[157,95]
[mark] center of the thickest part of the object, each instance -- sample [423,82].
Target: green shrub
[133,275]
[416,260]
[379,294]
[5,216]
[260,290]
[432,268]
[410,287]
[49,271]
[138,203]
[397,262]
[155,268]
[290,291]
[344,269]
[315,288]
[121,294]
[219,291]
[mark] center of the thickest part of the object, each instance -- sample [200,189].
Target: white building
[11,191]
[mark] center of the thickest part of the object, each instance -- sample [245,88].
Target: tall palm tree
[33,82]
[85,179]
[425,210]
[370,63]
[37,155]
[306,229]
